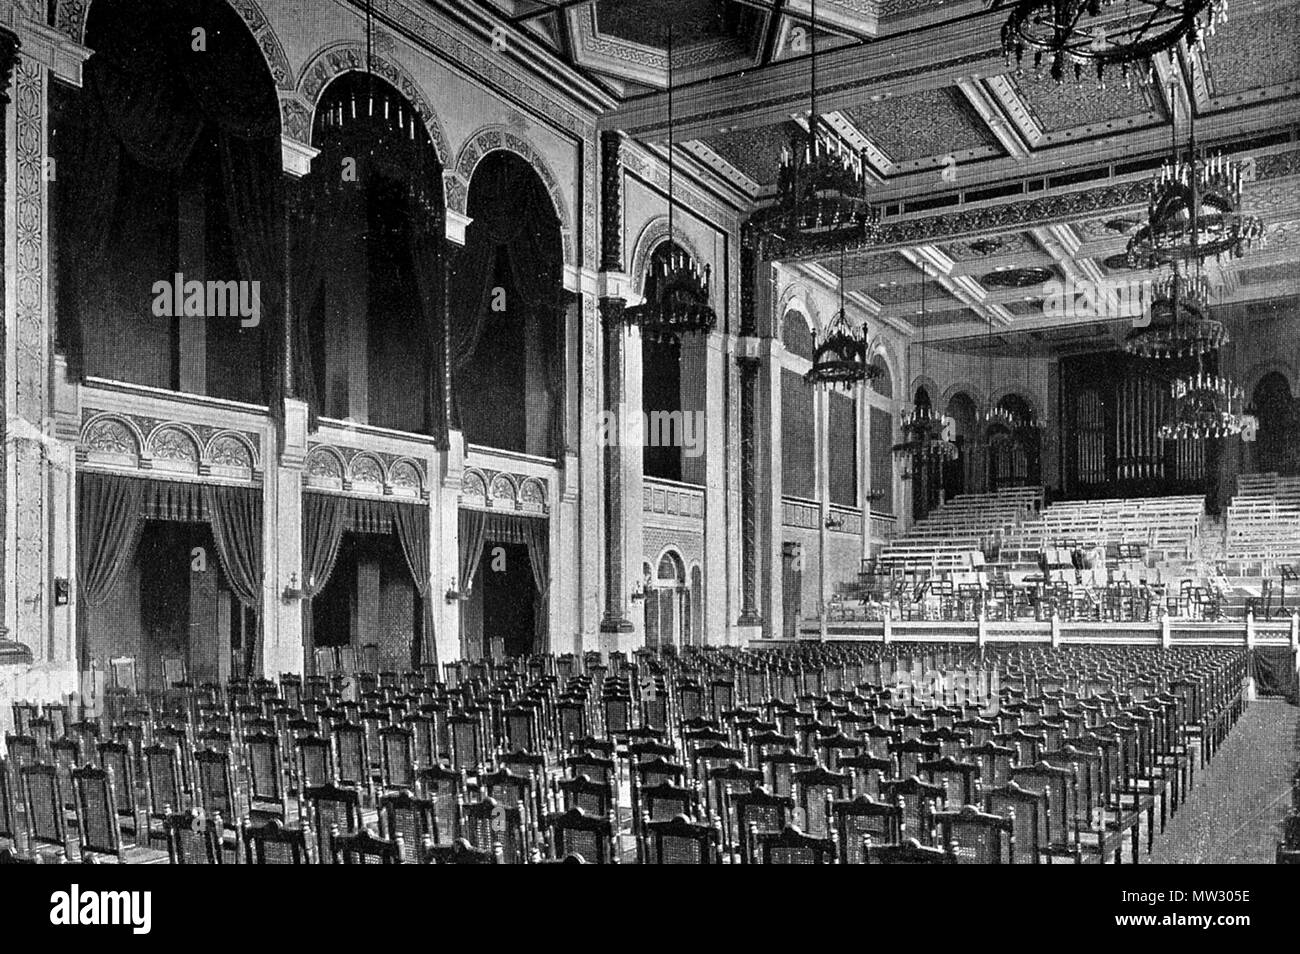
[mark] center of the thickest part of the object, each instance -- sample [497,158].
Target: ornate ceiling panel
[1078,109]
[755,152]
[988,246]
[929,124]
[1257,47]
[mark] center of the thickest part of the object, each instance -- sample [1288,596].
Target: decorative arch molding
[497,138]
[998,394]
[174,446]
[1262,369]
[878,347]
[373,473]
[484,489]
[797,297]
[674,556]
[112,435]
[71,16]
[653,233]
[332,62]
[962,387]
[931,388]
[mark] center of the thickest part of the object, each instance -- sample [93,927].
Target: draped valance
[111,514]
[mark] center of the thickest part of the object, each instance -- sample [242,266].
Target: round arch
[495,138]
[71,18]
[653,234]
[999,394]
[962,387]
[884,385]
[333,61]
[932,390]
[1258,372]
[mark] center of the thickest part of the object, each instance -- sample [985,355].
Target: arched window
[882,384]
[367,258]
[508,312]
[168,203]
[882,441]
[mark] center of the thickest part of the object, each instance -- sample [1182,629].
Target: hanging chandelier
[1205,406]
[676,289]
[676,299]
[840,357]
[1086,36]
[1194,211]
[821,184]
[1179,322]
[993,414]
[923,430]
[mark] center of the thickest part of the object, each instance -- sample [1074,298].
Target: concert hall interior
[650,431]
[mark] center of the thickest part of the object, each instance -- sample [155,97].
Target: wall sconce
[454,594]
[292,591]
[638,591]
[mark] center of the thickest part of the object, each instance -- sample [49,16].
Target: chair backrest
[976,837]
[459,852]
[98,825]
[332,808]
[910,852]
[409,817]
[790,846]
[216,783]
[861,818]
[273,843]
[8,803]
[443,787]
[491,826]
[43,796]
[679,841]
[193,838]
[365,848]
[1029,810]
[589,837]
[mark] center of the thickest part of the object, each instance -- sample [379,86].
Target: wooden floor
[1234,813]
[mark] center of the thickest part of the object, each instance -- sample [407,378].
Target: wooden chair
[332,808]
[859,818]
[679,841]
[976,837]
[44,800]
[576,832]
[444,787]
[410,817]
[489,825]
[758,811]
[910,852]
[459,852]
[273,843]
[99,828]
[364,848]
[790,846]
[193,838]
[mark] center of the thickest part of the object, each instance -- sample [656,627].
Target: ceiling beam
[934,57]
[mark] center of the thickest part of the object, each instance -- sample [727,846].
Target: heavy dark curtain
[1274,670]
[513,226]
[324,518]
[381,146]
[411,521]
[235,514]
[477,527]
[472,526]
[108,528]
[149,95]
[112,510]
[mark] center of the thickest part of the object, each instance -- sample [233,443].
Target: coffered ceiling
[995,183]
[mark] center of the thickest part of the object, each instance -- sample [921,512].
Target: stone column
[616,625]
[8,56]
[749,516]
